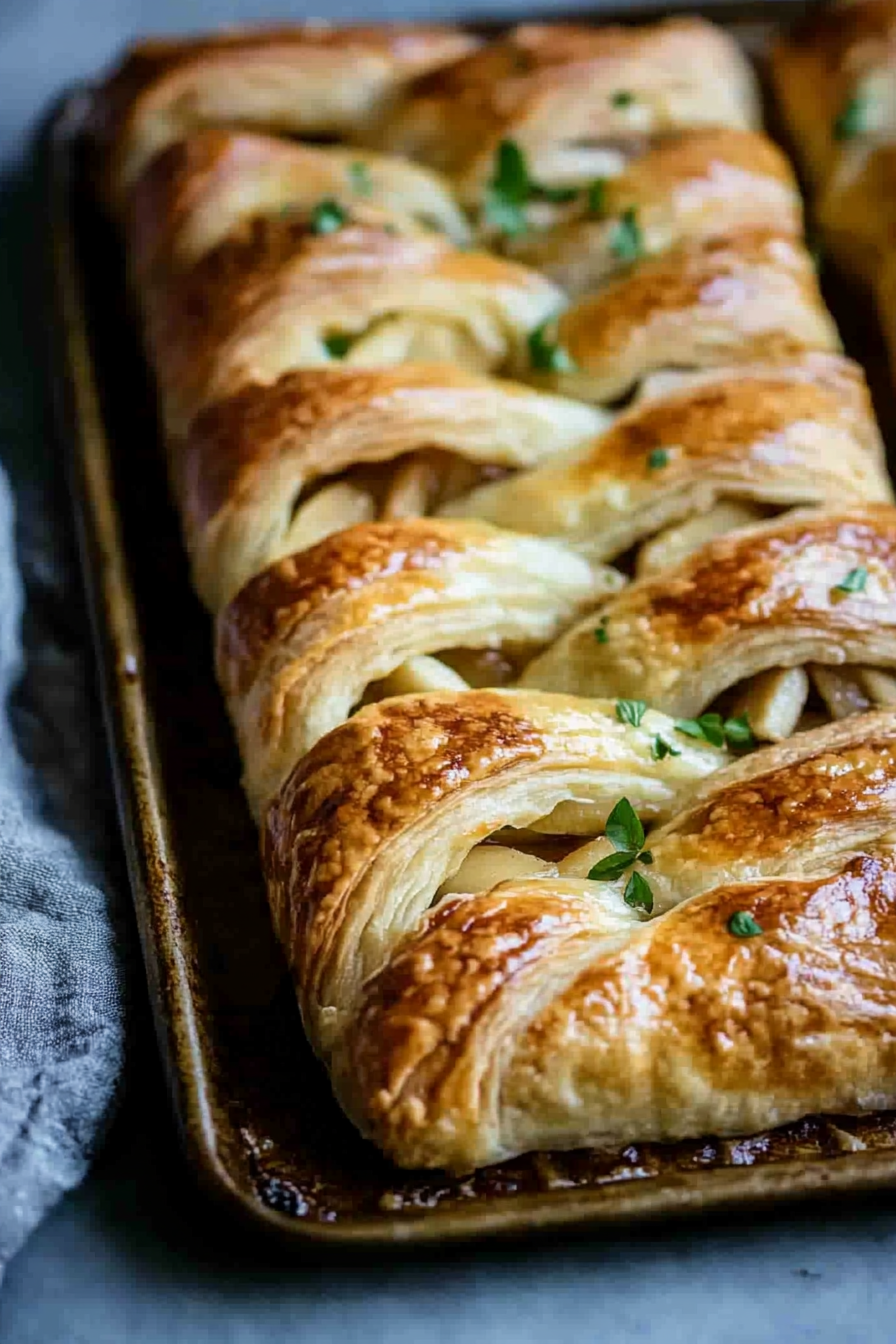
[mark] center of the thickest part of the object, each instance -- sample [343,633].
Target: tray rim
[152,860]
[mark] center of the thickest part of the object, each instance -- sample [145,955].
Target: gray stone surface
[135,1255]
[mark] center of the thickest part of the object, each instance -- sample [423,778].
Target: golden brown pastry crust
[299,645]
[554,89]
[518,1017]
[248,460]
[778,436]
[767,596]
[694,185]
[327,380]
[309,80]
[751,297]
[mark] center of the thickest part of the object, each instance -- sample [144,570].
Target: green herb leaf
[853,582]
[623,829]
[708,728]
[627,241]
[657,458]
[597,196]
[558,195]
[338,344]
[327,216]
[631,711]
[612,866]
[743,925]
[852,119]
[548,355]
[661,749]
[637,893]
[601,634]
[359,176]
[645,857]
[622,98]
[508,190]
[738,732]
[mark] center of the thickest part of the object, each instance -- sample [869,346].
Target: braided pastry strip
[545,1012]
[331,369]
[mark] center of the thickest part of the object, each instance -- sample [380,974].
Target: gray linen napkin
[64,916]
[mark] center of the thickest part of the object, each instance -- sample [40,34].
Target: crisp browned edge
[153,863]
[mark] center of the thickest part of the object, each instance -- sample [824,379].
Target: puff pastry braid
[522,472]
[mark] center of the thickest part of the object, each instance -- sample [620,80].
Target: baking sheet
[258,1123]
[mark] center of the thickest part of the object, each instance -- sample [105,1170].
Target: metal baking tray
[254,1108]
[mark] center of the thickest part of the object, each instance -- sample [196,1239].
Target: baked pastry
[307,80]
[545,1011]
[687,187]
[814,590]
[835,78]
[355,444]
[403,464]
[577,100]
[300,644]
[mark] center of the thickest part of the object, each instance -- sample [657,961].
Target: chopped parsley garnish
[597,196]
[853,582]
[601,634]
[657,458]
[548,355]
[359,176]
[715,730]
[338,344]
[627,240]
[622,98]
[327,216]
[661,749]
[852,119]
[631,711]
[626,834]
[743,925]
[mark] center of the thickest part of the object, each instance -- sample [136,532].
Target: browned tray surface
[254,1107]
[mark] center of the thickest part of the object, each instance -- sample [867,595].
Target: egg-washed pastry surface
[551,553]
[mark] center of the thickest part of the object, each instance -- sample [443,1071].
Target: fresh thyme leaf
[507,191]
[627,241]
[708,728]
[548,355]
[738,732]
[637,893]
[612,866]
[559,195]
[852,119]
[743,925]
[597,196]
[661,749]
[622,98]
[623,829]
[631,711]
[853,582]
[327,216]
[601,634]
[338,344]
[657,458]
[359,176]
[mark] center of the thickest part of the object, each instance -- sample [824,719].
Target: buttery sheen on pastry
[441,327]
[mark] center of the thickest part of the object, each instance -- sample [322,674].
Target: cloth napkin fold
[65,926]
